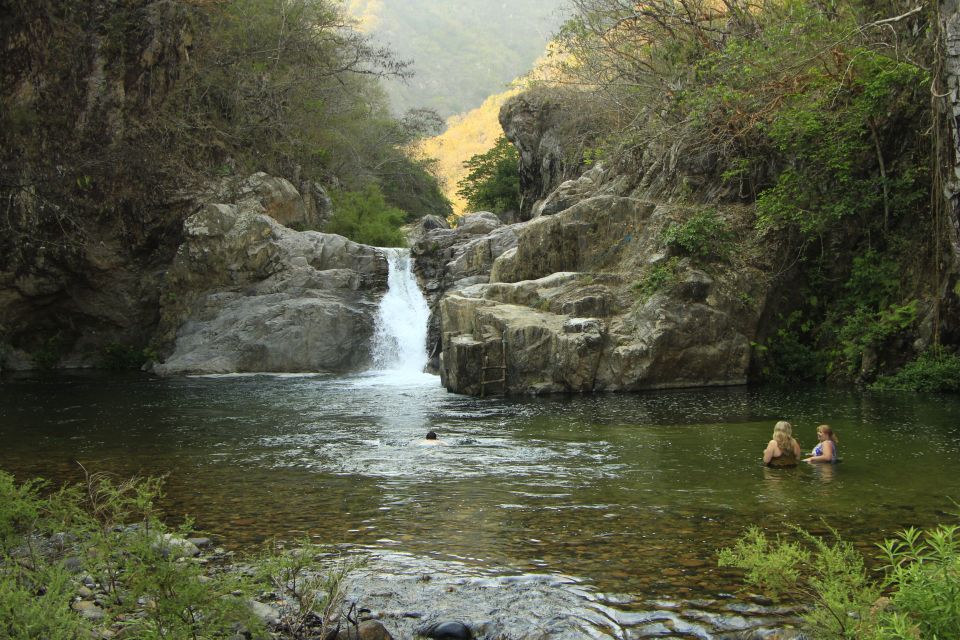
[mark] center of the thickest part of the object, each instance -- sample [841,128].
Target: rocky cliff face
[76,277]
[590,299]
[534,123]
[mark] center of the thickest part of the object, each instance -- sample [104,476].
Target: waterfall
[400,334]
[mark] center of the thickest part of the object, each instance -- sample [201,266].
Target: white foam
[400,337]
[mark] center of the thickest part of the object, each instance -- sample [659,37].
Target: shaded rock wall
[77,277]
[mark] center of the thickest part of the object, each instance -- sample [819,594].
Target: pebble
[269,615]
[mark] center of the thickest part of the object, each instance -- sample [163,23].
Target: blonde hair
[783,435]
[825,429]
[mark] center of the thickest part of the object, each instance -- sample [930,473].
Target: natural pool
[629,493]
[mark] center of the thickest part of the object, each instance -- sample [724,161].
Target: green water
[631,493]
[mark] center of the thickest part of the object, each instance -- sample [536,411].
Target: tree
[493,183]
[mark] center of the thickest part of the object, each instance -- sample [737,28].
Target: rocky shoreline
[393,595]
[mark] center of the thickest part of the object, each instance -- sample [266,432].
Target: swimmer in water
[431,440]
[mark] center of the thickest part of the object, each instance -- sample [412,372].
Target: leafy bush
[790,353]
[704,235]
[292,573]
[365,217]
[931,371]
[923,572]
[921,581]
[122,357]
[493,183]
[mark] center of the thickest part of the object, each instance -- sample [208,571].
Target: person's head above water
[431,435]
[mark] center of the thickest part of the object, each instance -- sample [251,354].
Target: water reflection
[824,473]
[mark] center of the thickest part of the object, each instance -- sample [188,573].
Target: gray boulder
[451,259]
[535,122]
[246,294]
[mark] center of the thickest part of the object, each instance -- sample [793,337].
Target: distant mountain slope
[462,50]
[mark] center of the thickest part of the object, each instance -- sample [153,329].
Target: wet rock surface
[417,597]
[451,259]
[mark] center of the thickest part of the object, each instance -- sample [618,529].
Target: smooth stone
[178,547]
[85,592]
[88,610]
[200,542]
[447,631]
[268,614]
[73,564]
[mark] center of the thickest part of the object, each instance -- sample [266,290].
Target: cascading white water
[400,334]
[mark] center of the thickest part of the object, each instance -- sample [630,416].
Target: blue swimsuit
[818,451]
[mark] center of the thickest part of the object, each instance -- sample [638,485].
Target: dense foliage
[365,216]
[920,582]
[493,180]
[817,115]
[111,531]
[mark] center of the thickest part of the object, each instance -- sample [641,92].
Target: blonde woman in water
[783,450]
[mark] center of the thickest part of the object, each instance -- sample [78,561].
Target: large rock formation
[75,278]
[245,293]
[591,300]
[448,260]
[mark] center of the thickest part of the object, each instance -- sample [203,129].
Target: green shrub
[124,357]
[293,574]
[865,329]
[921,579]
[923,574]
[829,576]
[656,278]
[114,529]
[931,371]
[20,508]
[365,217]
[27,613]
[51,352]
[704,235]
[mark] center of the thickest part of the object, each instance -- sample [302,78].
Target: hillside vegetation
[819,118]
[466,136]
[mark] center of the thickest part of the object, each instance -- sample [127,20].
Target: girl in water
[782,450]
[826,449]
